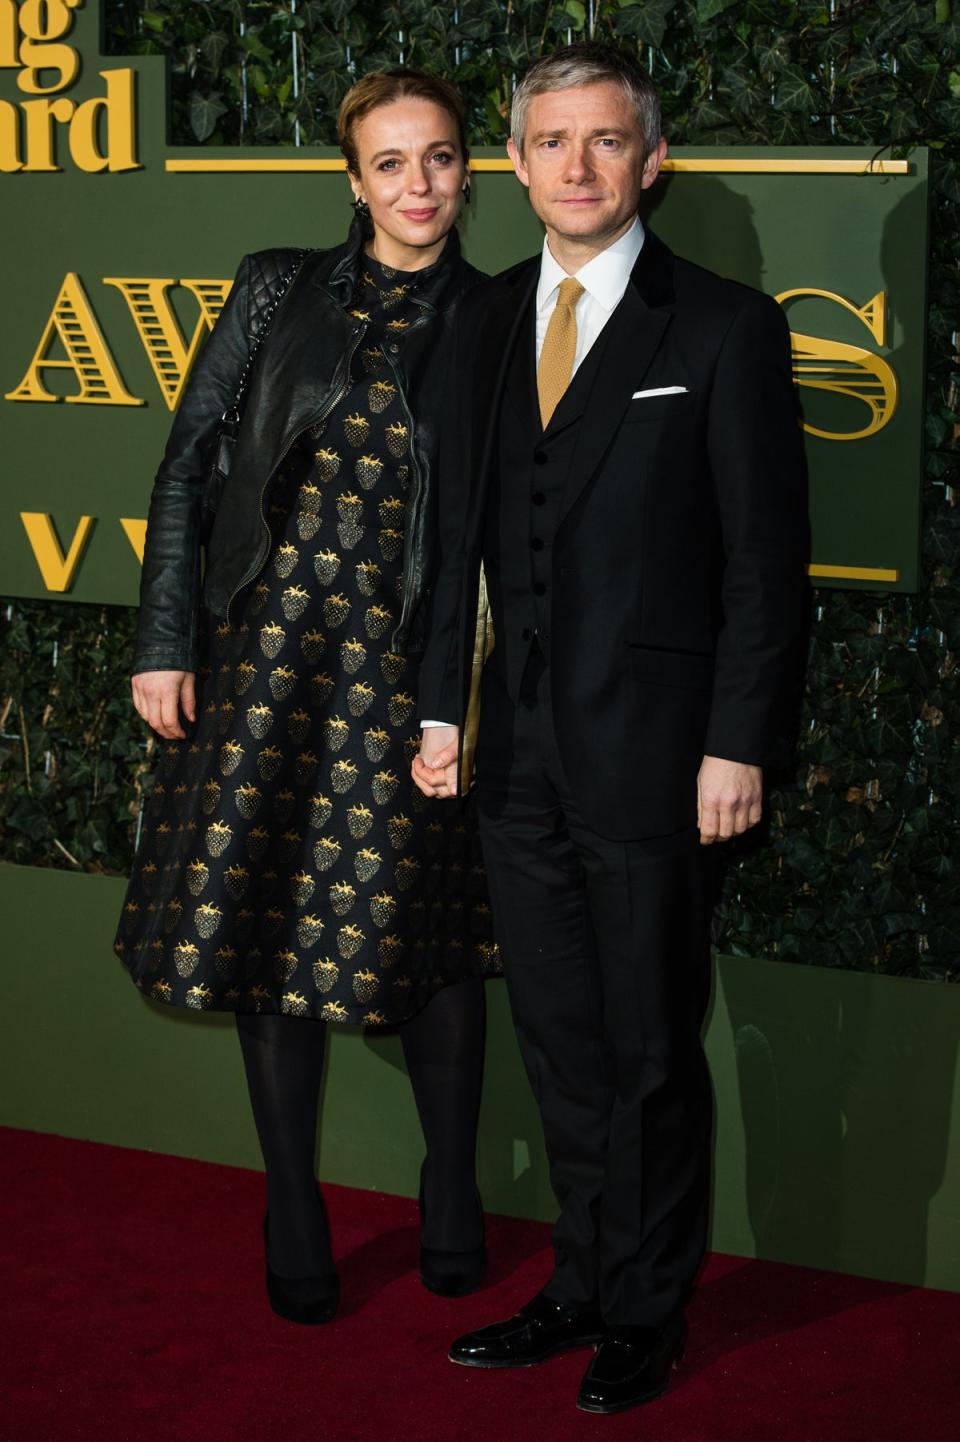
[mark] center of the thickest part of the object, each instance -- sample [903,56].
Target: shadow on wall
[846,1086]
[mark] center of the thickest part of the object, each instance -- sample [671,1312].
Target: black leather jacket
[298,377]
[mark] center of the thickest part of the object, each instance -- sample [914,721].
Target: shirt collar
[604,277]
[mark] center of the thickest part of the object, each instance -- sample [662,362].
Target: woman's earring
[466,194]
[361,207]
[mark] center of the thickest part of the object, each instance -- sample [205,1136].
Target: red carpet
[133,1312]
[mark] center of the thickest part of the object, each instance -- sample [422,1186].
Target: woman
[288,869]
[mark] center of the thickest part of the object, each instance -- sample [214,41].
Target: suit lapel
[636,329]
[501,329]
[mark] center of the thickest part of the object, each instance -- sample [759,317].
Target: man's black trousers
[607,960]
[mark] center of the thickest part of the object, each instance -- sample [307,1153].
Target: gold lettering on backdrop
[100,132]
[74,324]
[136,534]
[847,370]
[57,569]
[170,355]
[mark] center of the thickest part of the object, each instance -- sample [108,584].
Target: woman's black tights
[443,1049]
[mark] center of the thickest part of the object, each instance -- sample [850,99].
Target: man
[623,455]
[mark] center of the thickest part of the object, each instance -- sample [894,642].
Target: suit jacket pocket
[691,670]
[659,408]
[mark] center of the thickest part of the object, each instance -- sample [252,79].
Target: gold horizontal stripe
[702,166]
[855,573]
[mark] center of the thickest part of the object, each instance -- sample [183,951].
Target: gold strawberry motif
[309,930]
[304,767]
[226,716]
[392,511]
[131,914]
[198,874]
[293,601]
[353,653]
[349,940]
[259,598]
[336,609]
[372,358]
[207,918]
[320,687]
[365,985]
[210,796]
[334,1011]
[342,897]
[356,428]
[310,497]
[257,841]
[375,743]
[247,799]
[318,810]
[298,724]
[236,879]
[368,574]
[198,997]
[148,876]
[359,698]
[244,676]
[307,525]
[161,991]
[312,646]
[326,974]
[285,559]
[218,837]
[294,1003]
[225,960]
[271,921]
[399,831]
[269,761]
[350,507]
[359,821]
[328,464]
[349,533]
[397,438]
[406,872]
[231,754]
[380,394]
[336,732]
[374,1018]
[367,863]
[289,845]
[392,666]
[367,471]
[400,708]
[272,637]
[384,786]
[326,853]
[390,542]
[302,887]
[259,719]
[326,564]
[389,950]
[376,619]
[342,775]
[257,999]
[383,908]
[284,964]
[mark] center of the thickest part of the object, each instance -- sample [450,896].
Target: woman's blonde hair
[383,87]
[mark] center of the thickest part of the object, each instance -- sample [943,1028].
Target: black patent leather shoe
[452,1273]
[538,1331]
[633,1365]
[307,1300]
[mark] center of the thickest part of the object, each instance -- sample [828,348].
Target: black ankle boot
[307,1300]
[449,1273]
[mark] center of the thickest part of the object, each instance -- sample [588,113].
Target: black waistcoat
[525,504]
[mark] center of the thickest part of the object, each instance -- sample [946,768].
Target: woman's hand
[160,696]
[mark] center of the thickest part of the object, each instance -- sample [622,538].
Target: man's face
[584,162]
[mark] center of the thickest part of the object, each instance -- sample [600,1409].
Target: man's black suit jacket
[679,559]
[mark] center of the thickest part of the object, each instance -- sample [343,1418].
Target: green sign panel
[118,251]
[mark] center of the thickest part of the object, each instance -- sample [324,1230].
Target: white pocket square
[659,391]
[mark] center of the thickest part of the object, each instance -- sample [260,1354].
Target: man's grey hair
[588,64]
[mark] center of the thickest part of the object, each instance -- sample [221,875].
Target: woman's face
[412,175]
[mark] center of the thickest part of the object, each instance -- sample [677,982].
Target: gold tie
[559,348]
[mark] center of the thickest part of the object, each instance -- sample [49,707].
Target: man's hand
[160,696]
[729,798]
[435,768]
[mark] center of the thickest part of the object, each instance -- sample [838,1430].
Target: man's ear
[653,162]
[518,165]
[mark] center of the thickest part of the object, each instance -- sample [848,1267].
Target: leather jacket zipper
[334,400]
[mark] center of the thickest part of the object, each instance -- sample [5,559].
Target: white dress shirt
[604,280]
